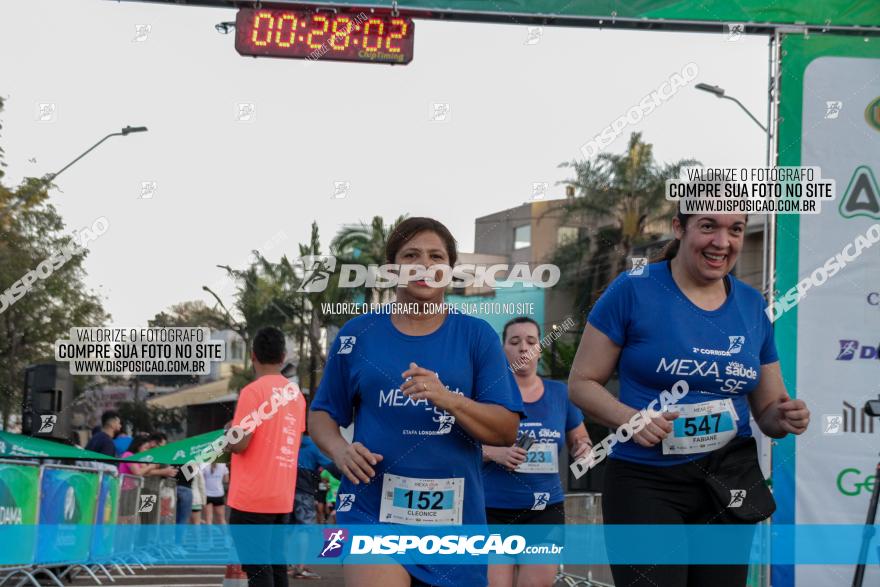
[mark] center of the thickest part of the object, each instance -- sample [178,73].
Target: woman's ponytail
[671,249]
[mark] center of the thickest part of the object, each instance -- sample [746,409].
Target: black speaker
[48,393]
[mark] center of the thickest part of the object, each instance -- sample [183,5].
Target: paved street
[205,576]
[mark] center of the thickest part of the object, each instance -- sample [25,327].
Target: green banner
[173,453]
[17,445]
[19,489]
[835,13]
[178,452]
[829,89]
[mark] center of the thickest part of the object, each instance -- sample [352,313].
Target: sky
[222,187]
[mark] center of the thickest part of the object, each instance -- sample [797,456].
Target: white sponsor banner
[838,368]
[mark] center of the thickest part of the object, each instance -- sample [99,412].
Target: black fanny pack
[737,484]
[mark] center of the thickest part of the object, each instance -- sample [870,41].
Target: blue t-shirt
[361,382]
[310,457]
[122,442]
[102,442]
[547,421]
[665,337]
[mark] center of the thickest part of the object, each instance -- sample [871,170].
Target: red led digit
[367,34]
[343,36]
[259,19]
[289,34]
[319,32]
[394,36]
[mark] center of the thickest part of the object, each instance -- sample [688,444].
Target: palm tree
[312,315]
[626,193]
[364,244]
[260,300]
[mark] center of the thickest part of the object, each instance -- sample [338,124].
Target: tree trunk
[11,369]
[313,372]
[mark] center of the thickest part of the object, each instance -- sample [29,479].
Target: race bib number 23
[541,458]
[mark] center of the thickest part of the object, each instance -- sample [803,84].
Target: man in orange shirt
[267,427]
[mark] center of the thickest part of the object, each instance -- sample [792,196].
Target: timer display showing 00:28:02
[344,36]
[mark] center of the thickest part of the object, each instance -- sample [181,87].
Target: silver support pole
[770,219]
[772,153]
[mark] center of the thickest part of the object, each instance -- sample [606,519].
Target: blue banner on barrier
[577,544]
[68,498]
[105,517]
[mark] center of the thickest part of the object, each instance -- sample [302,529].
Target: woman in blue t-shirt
[685,324]
[522,481]
[425,391]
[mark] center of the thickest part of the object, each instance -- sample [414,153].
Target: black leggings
[642,494]
[261,575]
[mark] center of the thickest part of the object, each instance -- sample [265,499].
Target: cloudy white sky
[225,187]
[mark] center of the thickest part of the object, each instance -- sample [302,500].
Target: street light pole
[49,177]
[768,269]
[719,92]
[124,132]
[769,227]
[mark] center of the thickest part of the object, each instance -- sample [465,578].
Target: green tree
[188,314]
[144,418]
[625,193]
[31,231]
[260,300]
[185,314]
[364,244]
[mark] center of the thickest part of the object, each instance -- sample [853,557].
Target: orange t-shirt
[263,477]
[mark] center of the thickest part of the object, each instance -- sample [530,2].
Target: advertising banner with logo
[178,452]
[106,516]
[830,118]
[68,499]
[19,491]
[19,445]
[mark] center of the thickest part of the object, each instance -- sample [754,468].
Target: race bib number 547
[701,427]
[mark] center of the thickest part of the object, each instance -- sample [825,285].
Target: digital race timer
[341,36]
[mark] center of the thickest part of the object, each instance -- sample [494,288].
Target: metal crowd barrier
[157,506]
[584,508]
[22,481]
[68,499]
[167,501]
[87,508]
